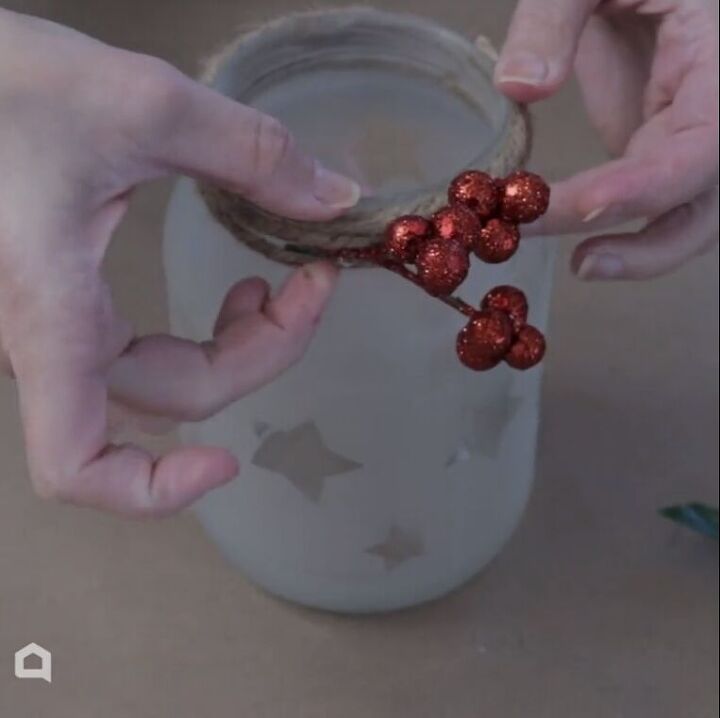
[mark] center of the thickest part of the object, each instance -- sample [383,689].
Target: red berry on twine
[440,250]
[477,191]
[458,223]
[483,342]
[404,235]
[498,241]
[510,300]
[442,265]
[524,197]
[527,350]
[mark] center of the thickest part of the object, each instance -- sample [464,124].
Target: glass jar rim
[320,38]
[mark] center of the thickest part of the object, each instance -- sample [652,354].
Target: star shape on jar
[303,458]
[398,546]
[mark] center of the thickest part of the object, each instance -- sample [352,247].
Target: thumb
[540,48]
[210,136]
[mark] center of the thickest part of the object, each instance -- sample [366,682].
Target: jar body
[378,472]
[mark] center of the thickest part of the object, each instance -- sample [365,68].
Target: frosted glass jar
[378,473]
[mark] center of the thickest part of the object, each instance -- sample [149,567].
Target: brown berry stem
[374,255]
[455,302]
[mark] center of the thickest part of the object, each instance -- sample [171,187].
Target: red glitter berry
[484,340]
[498,241]
[458,223]
[475,190]
[527,350]
[403,236]
[442,265]
[524,197]
[510,300]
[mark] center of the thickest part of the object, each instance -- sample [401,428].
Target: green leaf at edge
[699,517]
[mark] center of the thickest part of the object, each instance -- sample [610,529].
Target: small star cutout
[303,458]
[399,546]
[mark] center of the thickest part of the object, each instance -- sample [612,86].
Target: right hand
[648,72]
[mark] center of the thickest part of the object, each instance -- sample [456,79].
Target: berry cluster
[481,219]
[499,330]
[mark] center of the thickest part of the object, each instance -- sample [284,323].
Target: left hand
[82,124]
[648,71]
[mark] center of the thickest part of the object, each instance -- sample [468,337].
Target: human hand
[82,124]
[648,71]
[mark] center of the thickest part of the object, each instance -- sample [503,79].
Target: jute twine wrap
[297,242]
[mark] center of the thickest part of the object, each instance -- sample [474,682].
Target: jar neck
[275,55]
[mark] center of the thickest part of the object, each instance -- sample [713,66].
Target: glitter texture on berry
[458,223]
[510,300]
[403,236]
[498,242]
[484,340]
[477,191]
[442,265]
[527,350]
[524,197]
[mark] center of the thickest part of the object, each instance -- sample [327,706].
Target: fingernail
[594,213]
[523,67]
[601,266]
[334,190]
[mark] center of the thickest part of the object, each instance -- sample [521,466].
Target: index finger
[633,187]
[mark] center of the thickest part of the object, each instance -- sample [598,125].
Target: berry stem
[375,255]
[456,303]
